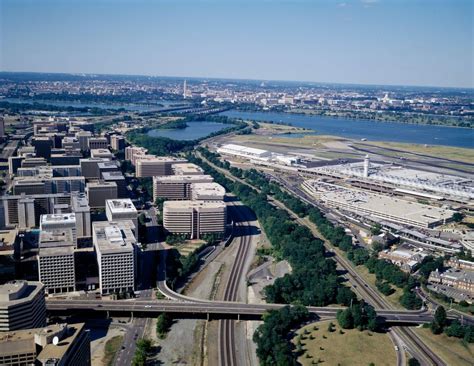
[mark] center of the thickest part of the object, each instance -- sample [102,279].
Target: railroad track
[227,350]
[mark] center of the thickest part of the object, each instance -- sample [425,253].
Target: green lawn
[352,348]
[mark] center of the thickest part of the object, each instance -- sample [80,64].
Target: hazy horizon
[359,42]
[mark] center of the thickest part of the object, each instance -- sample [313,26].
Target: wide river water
[366,129]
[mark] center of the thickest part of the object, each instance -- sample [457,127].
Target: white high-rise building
[114,243]
[195,218]
[120,210]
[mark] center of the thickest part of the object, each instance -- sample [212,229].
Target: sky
[395,42]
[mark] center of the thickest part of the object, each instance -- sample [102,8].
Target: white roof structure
[248,152]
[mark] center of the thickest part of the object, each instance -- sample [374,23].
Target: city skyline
[253,45]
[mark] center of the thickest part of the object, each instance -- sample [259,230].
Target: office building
[16,210]
[102,154]
[83,138]
[156,166]
[186,169]
[54,345]
[68,157]
[194,218]
[44,184]
[97,143]
[62,221]
[207,192]
[99,191]
[108,166]
[133,152]
[29,162]
[121,209]
[177,187]
[118,178]
[80,207]
[90,167]
[69,143]
[114,243]
[43,146]
[57,269]
[117,142]
[22,306]
[14,162]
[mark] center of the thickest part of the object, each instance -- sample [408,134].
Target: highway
[215,309]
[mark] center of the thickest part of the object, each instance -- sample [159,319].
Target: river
[366,129]
[193,131]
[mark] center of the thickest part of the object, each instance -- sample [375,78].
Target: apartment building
[22,306]
[177,187]
[114,243]
[132,153]
[194,218]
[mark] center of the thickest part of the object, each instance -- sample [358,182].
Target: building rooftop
[244,149]
[66,218]
[11,293]
[56,238]
[187,204]
[113,236]
[187,169]
[100,183]
[151,159]
[207,189]
[183,178]
[120,205]
[79,202]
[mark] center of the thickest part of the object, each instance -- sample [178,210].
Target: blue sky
[401,42]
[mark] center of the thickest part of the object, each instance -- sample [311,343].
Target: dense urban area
[148,221]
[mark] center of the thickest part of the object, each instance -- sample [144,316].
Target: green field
[450,349]
[352,348]
[111,348]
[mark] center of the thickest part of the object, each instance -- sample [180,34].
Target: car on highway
[147,306]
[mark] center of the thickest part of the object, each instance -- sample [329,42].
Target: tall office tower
[43,146]
[99,191]
[120,210]
[83,137]
[194,218]
[22,306]
[117,142]
[90,167]
[56,266]
[114,243]
[118,178]
[177,187]
[54,345]
[26,213]
[98,143]
[80,207]
[185,91]
[156,166]
[53,222]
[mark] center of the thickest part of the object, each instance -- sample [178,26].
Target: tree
[344,318]
[376,229]
[457,217]
[163,324]
[440,316]
[413,362]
